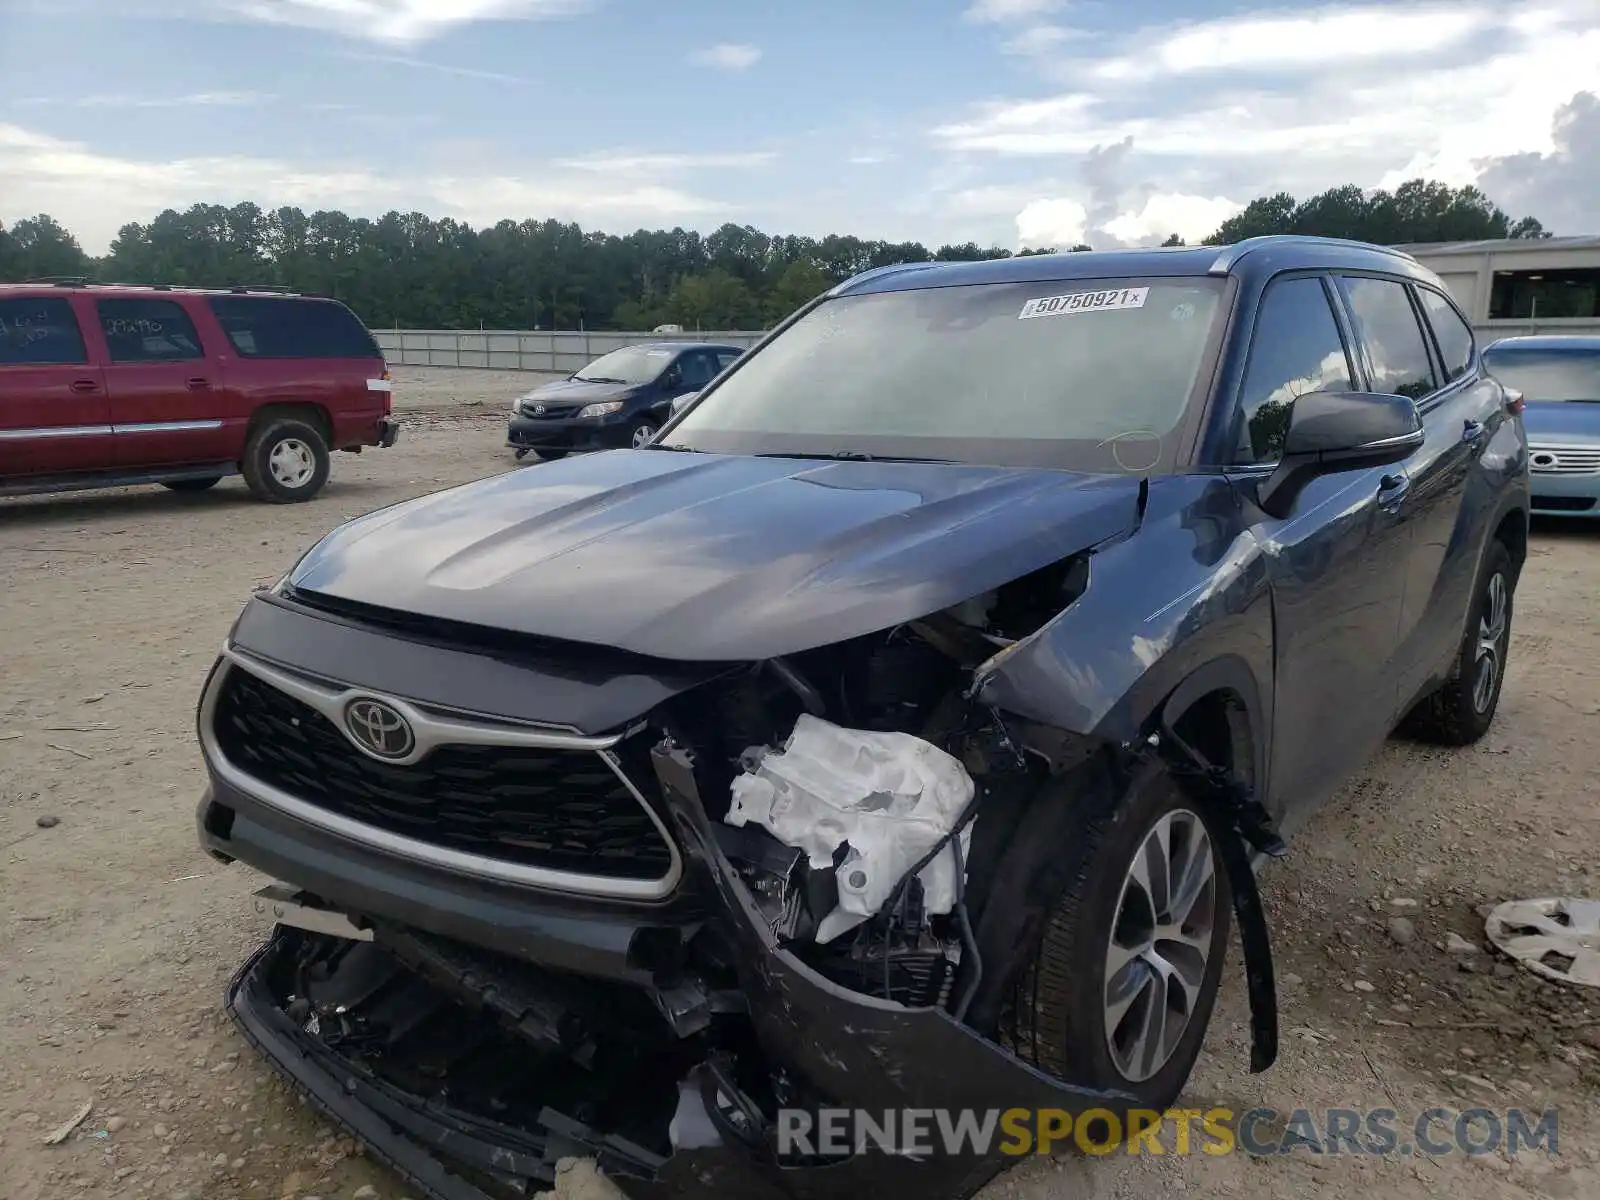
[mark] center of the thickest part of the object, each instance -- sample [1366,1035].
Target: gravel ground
[117,935]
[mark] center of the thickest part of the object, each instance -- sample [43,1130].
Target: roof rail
[61,280]
[879,273]
[260,287]
[1228,257]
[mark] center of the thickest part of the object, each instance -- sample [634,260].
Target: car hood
[712,557]
[1567,422]
[576,391]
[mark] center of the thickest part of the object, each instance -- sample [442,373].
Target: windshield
[631,364]
[1084,375]
[1542,376]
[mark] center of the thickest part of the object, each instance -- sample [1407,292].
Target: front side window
[1453,335]
[40,332]
[1547,377]
[1093,375]
[631,364]
[148,331]
[1387,325]
[697,369]
[1296,349]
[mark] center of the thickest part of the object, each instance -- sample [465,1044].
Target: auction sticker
[1077,302]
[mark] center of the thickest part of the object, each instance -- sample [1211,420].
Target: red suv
[107,385]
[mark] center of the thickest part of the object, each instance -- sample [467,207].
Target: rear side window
[148,331]
[697,368]
[40,332]
[726,359]
[1453,335]
[1387,324]
[273,327]
[1296,349]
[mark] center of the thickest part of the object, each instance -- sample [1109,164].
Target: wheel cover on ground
[1489,660]
[292,463]
[1160,944]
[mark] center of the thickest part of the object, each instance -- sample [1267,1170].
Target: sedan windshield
[631,364]
[1542,376]
[1085,375]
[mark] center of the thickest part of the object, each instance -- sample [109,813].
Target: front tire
[285,461]
[1129,964]
[1461,711]
[643,431]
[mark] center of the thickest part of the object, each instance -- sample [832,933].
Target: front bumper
[569,434]
[824,1045]
[1565,495]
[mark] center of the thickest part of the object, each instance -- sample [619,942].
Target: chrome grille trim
[1552,459]
[432,730]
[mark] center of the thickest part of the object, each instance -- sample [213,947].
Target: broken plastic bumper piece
[473,1075]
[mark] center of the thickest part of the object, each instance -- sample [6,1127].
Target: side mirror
[1339,431]
[678,402]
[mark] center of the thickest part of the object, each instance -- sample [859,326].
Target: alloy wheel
[1493,628]
[291,462]
[1160,944]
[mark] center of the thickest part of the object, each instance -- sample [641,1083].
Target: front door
[54,419]
[1336,563]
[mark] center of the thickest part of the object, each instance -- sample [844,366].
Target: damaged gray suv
[900,730]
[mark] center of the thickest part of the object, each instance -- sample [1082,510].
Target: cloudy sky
[1022,122]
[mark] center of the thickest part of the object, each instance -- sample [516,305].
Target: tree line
[409,270]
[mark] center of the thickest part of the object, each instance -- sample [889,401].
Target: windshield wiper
[852,456]
[676,449]
[597,379]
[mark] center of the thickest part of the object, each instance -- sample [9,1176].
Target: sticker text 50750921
[1077,302]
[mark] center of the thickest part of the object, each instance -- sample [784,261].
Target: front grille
[551,411]
[561,810]
[1564,460]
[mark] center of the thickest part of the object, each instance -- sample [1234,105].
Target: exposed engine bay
[849,813]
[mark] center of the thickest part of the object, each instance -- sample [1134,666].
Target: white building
[1508,287]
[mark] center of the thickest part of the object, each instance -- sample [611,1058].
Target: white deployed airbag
[891,796]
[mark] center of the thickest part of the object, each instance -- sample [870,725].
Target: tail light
[1515,401]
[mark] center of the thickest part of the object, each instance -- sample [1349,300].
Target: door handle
[199,383]
[1472,431]
[1392,490]
[84,386]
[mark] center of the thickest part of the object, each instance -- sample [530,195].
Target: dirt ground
[117,936]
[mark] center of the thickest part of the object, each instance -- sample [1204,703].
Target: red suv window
[148,331]
[273,327]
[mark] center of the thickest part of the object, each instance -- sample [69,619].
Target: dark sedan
[620,399]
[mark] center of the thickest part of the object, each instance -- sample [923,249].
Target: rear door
[1336,563]
[1462,412]
[164,383]
[54,418]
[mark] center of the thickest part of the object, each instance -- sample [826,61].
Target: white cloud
[396,21]
[999,12]
[72,182]
[1192,218]
[1285,41]
[422,64]
[1055,224]
[1559,187]
[728,56]
[193,100]
[622,162]
[1037,40]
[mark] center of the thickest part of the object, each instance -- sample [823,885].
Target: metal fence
[522,350]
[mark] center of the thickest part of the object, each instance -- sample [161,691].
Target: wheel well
[1513,533]
[1217,724]
[313,414]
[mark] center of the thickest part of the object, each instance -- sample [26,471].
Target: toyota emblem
[379,729]
[1543,458]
